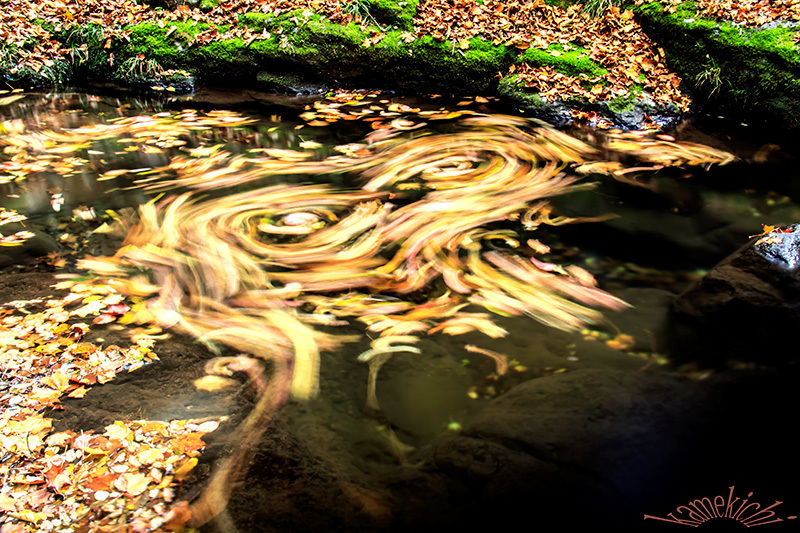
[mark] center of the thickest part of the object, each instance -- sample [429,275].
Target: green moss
[572,63]
[625,103]
[511,87]
[155,43]
[454,70]
[735,70]
[397,15]
[257,21]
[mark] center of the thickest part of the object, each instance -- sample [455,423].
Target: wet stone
[745,309]
[599,446]
[37,246]
[782,248]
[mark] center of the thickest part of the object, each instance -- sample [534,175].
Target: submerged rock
[746,308]
[288,84]
[38,245]
[594,447]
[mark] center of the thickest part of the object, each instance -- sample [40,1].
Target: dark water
[665,237]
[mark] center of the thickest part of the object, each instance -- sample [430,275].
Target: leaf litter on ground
[126,477]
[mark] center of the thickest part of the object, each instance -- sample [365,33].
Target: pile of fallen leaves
[123,479]
[614,40]
[749,12]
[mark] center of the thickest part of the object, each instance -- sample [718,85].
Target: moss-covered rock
[287,83]
[14,73]
[391,14]
[749,73]
[304,49]
[556,113]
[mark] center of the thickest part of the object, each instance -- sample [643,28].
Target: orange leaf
[80,392]
[103,482]
[57,381]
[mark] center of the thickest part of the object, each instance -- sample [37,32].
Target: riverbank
[561,62]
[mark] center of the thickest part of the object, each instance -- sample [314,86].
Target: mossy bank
[752,74]
[738,71]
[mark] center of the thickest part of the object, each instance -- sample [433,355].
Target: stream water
[76,164]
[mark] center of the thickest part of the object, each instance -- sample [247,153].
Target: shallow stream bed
[590,425]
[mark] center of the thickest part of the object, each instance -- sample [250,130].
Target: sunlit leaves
[750,12]
[89,479]
[9,216]
[85,479]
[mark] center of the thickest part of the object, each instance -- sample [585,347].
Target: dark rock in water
[746,308]
[288,84]
[586,446]
[781,248]
[594,447]
[628,113]
[38,245]
[177,82]
[635,112]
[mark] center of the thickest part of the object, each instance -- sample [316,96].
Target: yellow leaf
[214,383]
[150,456]
[117,431]
[28,516]
[183,470]
[11,99]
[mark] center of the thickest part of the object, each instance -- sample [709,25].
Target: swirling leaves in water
[225,257]
[258,270]
[218,260]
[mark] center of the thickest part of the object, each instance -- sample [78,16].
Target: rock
[634,113]
[596,447]
[38,245]
[631,112]
[287,83]
[172,83]
[575,446]
[746,308]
